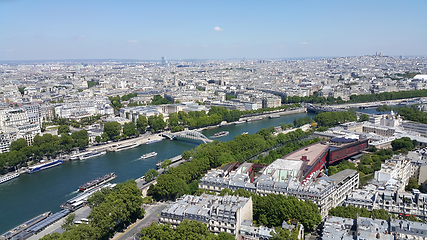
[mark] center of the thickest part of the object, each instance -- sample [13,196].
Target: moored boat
[97,181]
[8,177]
[78,155]
[22,227]
[91,155]
[119,148]
[254,119]
[44,165]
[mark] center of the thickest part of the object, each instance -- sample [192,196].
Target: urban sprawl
[345,165]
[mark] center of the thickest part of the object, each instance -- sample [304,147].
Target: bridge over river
[190,134]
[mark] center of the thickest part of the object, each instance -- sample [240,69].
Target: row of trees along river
[51,145]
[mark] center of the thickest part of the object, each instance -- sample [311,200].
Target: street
[151,215]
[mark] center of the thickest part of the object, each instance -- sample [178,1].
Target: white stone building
[220,214]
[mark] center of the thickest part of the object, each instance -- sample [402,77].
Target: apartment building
[397,169]
[326,192]
[13,117]
[271,102]
[248,231]
[368,228]
[414,203]
[220,214]
[415,126]
[4,143]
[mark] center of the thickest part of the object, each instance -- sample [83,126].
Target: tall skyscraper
[165,62]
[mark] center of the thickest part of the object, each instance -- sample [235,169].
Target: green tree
[53,236]
[112,129]
[168,186]
[352,212]
[68,222]
[21,90]
[127,97]
[328,119]
[272,210]
[412,184]
[63,129]
[142,123]
[91,84]
[156,122]
[151,174]
[363,118]
[104,137]
[158,100]
[228,97]
[193,230]
[98,197]
[98,139]
[402,143]
[158,231]
[81,138]
[129,129]
[115,102]
[119,208]
[225,236]
[166,163]
[284,234]
[112,210]
[18,144]
[67,142]
[187,154]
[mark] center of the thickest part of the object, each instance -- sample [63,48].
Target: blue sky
[147,30]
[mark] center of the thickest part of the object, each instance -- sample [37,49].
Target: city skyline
[48,30]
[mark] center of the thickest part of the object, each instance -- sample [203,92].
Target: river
[32,194]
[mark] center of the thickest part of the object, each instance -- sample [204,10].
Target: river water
[32,194]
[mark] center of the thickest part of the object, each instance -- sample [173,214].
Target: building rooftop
[339,176]
[312,152]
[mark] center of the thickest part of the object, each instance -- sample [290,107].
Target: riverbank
[276,112]
[52,187]
[109,147]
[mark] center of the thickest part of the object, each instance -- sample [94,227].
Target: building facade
[367,228]
[220,214]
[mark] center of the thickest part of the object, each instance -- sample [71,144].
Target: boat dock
[81,200]
[19,229]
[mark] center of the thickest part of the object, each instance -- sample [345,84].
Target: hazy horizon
[48,30]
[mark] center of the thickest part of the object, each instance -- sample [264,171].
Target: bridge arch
[190,134]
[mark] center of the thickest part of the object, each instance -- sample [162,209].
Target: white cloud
[81,37]
[133,41]
[304,43]
[218,29]
[9,50]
